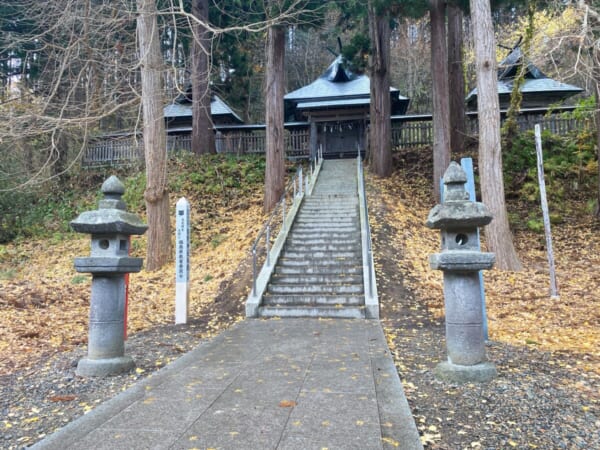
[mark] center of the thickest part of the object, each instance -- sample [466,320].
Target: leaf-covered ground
[44,305]
[519,307]
[546,350]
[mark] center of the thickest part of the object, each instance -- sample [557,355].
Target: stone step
[335,183]
[295,262]
[322,247]
[315,213]
[313,300]
[331,199]
[316,289]
[338,198]
[331,212]
[329,202]
[316,311]
[327,217]
[317,279]
[326,226]
[324,219]
[318,269]
[301,254]
[340,192]
[303,232]
[309,242]
[323,234]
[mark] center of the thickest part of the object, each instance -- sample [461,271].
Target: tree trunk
[456,79]
[156,194]
[203,138]
[441,102]
[274,139]
[380,140]
[596,82]
[498,236]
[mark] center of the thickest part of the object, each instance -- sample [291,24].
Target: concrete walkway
[264,384]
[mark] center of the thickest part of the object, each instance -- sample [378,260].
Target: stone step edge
[354,312]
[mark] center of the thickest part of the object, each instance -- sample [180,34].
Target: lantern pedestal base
[478,373]
[103,367]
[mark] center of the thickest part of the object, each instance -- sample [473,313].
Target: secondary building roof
[538,90]
[181,109]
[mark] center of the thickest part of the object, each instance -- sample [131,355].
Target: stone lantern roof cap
[455,174]
[457,212]
[111,216]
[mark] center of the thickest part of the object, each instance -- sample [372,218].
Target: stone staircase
[319,272]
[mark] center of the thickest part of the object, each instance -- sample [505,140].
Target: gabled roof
[337,81]
[537,88]
[339,87]
[182,107]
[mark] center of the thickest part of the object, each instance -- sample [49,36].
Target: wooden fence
[115,151]
[419,132]
[128,149]
[415,131]
[412,134]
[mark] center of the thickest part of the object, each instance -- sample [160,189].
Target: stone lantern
[111,227]
[460,260]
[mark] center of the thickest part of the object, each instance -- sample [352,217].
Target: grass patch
[79,279]
[217,240]
[7,274]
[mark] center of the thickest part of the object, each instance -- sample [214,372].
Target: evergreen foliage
[215,180]
[353,17]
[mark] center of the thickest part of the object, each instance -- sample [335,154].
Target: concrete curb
[395,409]
[371,298]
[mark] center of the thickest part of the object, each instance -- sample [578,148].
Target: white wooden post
[182,261]
[544,201]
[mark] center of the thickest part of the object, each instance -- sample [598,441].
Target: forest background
[71,73]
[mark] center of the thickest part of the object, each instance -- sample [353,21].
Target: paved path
[264,384]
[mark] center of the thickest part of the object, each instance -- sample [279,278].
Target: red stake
[126,296]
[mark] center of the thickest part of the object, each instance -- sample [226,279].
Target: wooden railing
[555,124]
[407,131]
[114,151]
[128,149]
[412,134]
[240,142]
[417,132]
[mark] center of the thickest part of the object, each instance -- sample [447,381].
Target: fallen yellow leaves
[287,404]
[62,398]
[390,441]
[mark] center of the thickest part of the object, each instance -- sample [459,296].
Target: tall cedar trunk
[203,138]
[441,102]
[275,85]
[156,194]
[498,236]
[456,79]
[380,140]
[596,81]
